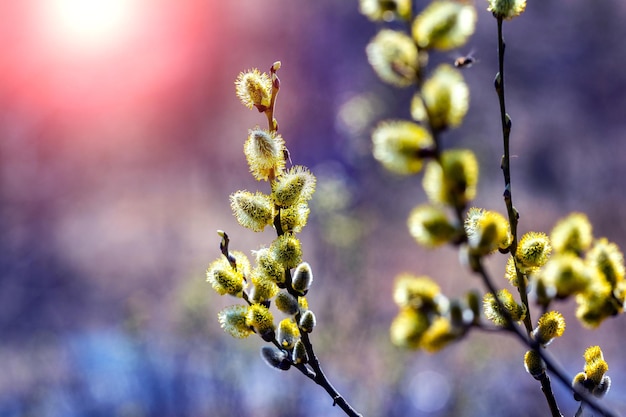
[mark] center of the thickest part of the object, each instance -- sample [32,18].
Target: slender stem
[513,221]
[547,391]
[321,380]
[506,170]
[315,372]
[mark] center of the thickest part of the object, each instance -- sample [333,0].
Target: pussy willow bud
[286,303]
[534,365]
[294,218]
[579,384]
[420,293]
[254,89]
[228,280]
[286,250]
[393,56]
[486,231]
[444,25]
[275,358]
[288,333]
[307,321]
[233,320]
[608,259]
[399,145]
[264,288]
[377,10]
[593,378]
[261,319]
[602,388]
[566,273]
[297,184]
[299,355]
[264,152]
[429,225]
[453,179]
[438,335]
[302,278]
[446,97]
[550,326]
[493,310]
[572,234]
[473,302]
[533,250]
[269,266]
[597,301]
[510,273]
[595,366]
[506,9]
[252,211]
[408,327]
[460,314]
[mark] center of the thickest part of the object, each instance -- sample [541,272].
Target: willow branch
[551,364]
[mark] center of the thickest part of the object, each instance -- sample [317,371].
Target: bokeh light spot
[89,24]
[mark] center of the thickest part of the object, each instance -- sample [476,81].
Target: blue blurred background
[121,139]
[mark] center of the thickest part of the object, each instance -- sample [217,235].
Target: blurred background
[121,139]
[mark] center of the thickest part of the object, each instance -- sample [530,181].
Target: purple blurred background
[121,139]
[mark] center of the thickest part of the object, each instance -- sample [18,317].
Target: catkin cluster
[279,275]
[427,319]
[568,263]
